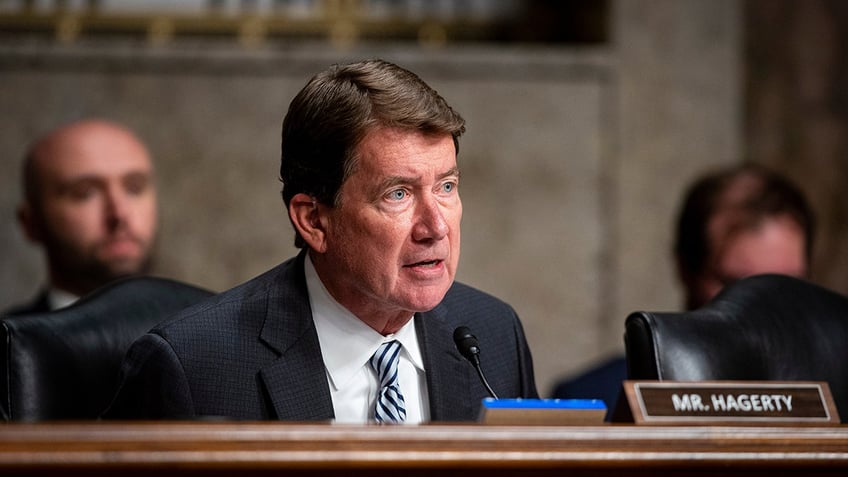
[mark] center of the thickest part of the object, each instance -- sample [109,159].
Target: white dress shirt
[347,345]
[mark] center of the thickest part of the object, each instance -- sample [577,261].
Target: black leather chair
[767,327]
[64,364]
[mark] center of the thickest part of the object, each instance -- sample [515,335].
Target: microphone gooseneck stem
[466,344]
[483,379]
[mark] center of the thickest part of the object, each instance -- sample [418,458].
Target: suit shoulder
[39,304]
[247,299]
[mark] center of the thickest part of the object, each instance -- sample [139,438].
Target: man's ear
[308,218]
[30,224]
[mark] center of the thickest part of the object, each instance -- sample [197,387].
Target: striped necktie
[390,406]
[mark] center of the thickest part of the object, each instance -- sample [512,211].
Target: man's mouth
[121,245]
[424,264]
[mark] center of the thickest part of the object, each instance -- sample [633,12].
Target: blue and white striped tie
[390,405]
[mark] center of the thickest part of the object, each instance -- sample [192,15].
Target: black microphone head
[466,343]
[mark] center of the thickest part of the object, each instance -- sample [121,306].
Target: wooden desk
[250,448]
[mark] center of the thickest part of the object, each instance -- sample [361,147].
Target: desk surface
[312,449]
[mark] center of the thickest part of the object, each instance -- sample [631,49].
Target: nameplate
[543,412]
[736,402]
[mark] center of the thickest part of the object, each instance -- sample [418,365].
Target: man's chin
[123,267]
[427,301]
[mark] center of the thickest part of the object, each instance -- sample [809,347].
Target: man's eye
[398,194]
[81,192]
[136,184]
[449,186]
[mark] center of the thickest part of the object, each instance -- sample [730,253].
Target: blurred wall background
[586,120]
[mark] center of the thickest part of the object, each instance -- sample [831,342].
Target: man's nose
[430,223]
[116,204]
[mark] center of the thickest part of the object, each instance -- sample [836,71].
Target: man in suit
[90,203]
[358,326]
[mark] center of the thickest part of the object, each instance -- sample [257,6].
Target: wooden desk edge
[146,446]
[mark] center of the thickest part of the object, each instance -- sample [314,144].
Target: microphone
[467,345]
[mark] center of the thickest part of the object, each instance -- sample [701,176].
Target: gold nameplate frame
[731,402]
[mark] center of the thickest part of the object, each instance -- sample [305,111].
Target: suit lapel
[296,382]
[449,375]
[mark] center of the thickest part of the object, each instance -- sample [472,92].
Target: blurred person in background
[735,222]
[739,222]
[90,204]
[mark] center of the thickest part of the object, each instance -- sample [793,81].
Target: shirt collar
[57,298]
[335,324]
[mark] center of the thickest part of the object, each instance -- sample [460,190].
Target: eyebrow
[397,180]
[96,179]
[453,171]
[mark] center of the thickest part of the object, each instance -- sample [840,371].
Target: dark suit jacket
[253,353]
[39,304]
[600,382]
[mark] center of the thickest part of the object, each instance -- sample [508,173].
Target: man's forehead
[393,145]
[69,160]
[69,170]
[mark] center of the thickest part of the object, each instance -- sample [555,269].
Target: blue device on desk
[595,404]
[544,412]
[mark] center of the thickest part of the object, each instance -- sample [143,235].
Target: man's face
[776,245]
[393,240]
[97,214]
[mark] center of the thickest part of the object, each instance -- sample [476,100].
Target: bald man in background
[90,204]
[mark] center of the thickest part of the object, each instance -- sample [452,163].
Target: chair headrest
[64,364]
